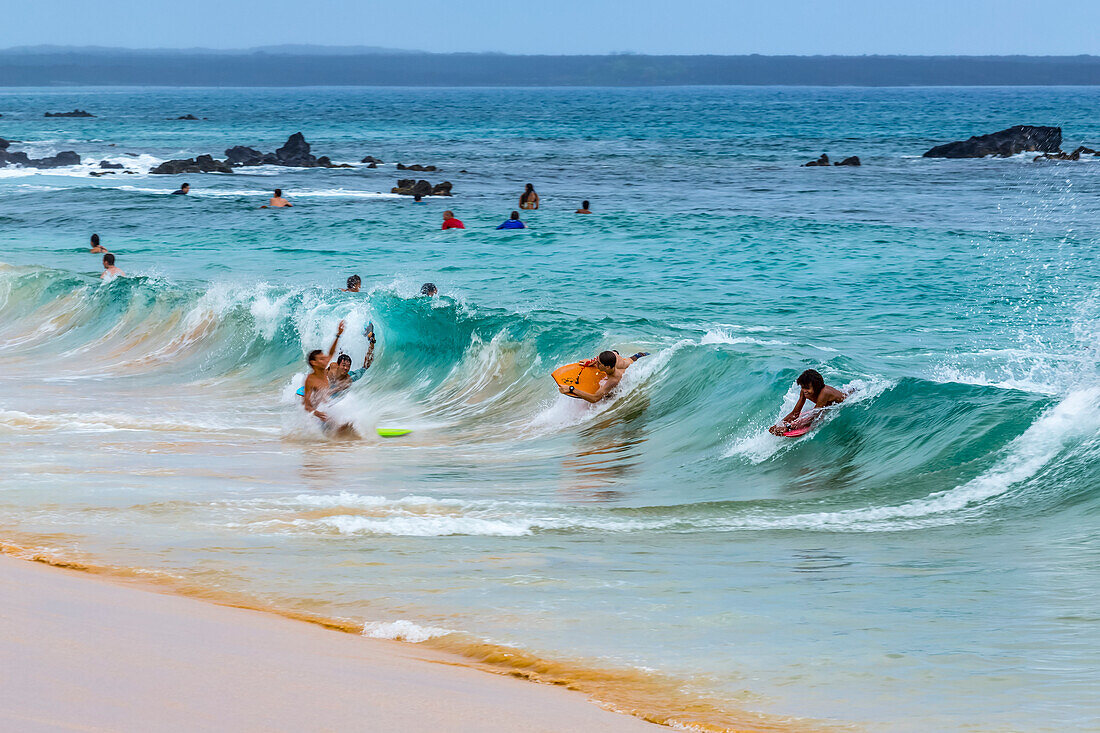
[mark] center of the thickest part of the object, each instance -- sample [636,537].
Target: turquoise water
[926,559]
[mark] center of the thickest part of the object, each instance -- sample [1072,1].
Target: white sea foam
[724,335]
[402,630]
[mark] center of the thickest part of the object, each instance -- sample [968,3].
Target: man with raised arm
[316,389]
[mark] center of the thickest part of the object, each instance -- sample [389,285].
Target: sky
[855,27]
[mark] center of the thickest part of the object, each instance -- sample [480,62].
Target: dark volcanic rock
[113,166]
[241,155]
[201,164]
[373,165]
[187,117]
[416,167]
[295,152]
[66,157]
[370,159]
[1061,155]
[823,160]
[853,160]
[1018,139]
[4,143]
[409,187]
[74,113]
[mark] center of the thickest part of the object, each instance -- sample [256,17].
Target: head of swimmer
[515,215]
[606,361]
[278,193]
[317,359]
[354,283]
[343,366]
[108,260]
[811,383]
[429,289]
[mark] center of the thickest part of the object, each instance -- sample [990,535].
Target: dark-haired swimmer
[97,248]
[813,389]
[316,389]
[354,283]
[613,365]
[340,376]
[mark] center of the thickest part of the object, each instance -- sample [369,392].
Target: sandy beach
[83,653]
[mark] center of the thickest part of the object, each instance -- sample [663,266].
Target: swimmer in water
[513,222]
[340,376]
[813,389]
[529,199]
[110,272]
[183,190]
[354,283]
[450,221]
[584,209]
[613,365]
[277,201]
[316,389]
[97,248]
[429,289]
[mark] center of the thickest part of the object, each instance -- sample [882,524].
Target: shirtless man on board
[814,390]
[613,365]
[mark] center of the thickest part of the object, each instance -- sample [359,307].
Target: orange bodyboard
[585,378]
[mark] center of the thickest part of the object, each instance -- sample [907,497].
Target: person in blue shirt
[513,222]
[340,376]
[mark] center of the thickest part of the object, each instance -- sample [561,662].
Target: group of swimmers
[328,379]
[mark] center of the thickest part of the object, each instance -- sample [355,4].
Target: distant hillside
[316,66]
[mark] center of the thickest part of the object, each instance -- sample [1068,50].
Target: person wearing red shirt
[450,222]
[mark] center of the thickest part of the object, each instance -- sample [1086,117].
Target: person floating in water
[277,201]
[529,199]
[450,222]
[813,389]
[316,389]
[612,364]
[110,272]
[340,376]
[429,289]
[418,199]
[97,248]
[584,209]
[513,222]
[182,190]
[354,283]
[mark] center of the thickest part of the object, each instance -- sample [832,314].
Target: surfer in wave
[340,376]
[813,389]
[613,365]
[317,389]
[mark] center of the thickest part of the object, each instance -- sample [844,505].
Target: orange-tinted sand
[81,653]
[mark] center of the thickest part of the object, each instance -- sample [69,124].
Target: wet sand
[83,653]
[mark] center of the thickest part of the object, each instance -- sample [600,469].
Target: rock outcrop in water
[1075,155]
[371,159]
[294,153]
[110,166]
[8,157]
[1006,143]
[74,113]
[187,117]
[409,187]
[201,164]
[823,161]
[416,167]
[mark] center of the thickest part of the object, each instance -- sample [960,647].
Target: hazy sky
[573,26]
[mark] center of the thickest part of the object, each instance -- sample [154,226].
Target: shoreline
[87,654]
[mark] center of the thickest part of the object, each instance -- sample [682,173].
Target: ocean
[926,559]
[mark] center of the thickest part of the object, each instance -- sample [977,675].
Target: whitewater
[926,559]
